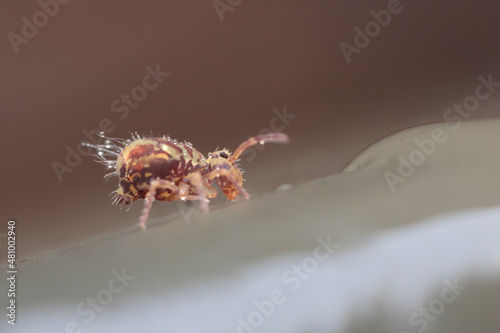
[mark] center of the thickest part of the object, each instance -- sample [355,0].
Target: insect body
[163,169]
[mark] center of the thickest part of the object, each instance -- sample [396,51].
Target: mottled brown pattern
[153,158]
[140,151]
[189,150]
[169,143]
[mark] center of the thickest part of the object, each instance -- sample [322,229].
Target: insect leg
[229,176]
[197,182]
[151,196]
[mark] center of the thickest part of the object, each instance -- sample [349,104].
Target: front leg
[151,197]
[200,186]
[228,183]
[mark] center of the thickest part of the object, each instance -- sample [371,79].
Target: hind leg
[151,196]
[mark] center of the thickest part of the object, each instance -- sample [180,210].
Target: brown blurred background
[225,78]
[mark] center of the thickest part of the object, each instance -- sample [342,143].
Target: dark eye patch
[223,154]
